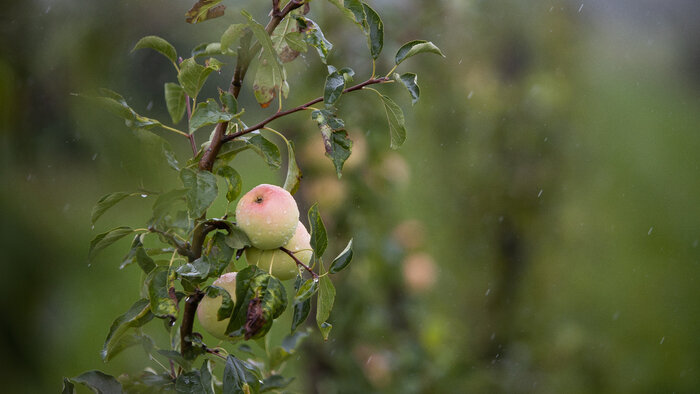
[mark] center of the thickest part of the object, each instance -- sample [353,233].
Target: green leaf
[99,382]
[335,140]
[130,340]
[291,182]
[137,315]
[375,27]
[158,143]
[415,47]
[233,180]
[219,253]
[108,201]
[116,104]
[226,308]
[358,11]
[335,84]
[158,44]
[342,260]
[175,101]
[301,313]
[326,298]
[161,293]
[319,240]
[287,40]
[193,75]
[397,127]
[231,36]
[196,271]
[196,382]
[165,201]
[410,81]
[105,239]
[275,382]
[260,298]
[176,357]
[138,254]
[349,9]
[308,289]
[228,102]
[237,375]
[201,190]
[270,78]
[206,49]
[68,387]
[237,239]
[204,10]
[208,113]
[265,148]
[312,35]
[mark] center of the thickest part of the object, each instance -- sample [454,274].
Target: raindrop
[94,156]
[150,105]
[695,244]
[662,340]
[460,61]
[540,193]
[144,195]
[488,292]
[580,8]
[29,177]
[469,96]
[650,230]
[47,10]
[616,315]
[89,265]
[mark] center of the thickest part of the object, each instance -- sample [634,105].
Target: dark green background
[552,161]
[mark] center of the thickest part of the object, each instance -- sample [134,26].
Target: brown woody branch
[206,163]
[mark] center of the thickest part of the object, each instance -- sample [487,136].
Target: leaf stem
[296,260]
[391,71]
[175,130]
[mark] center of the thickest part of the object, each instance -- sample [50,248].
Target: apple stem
[296,260]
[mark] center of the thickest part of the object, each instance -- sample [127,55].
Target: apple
[268,215]
[208,307]
[277,262]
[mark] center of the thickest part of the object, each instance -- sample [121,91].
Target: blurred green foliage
[537,233]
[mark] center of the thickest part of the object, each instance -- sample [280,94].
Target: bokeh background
[539,231]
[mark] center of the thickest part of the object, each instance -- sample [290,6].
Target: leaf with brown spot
[204,10]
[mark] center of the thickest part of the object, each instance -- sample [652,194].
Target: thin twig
[302,107]
[296,260]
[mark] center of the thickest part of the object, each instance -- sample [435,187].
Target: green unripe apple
[277,262]
[208,307]
[268,215]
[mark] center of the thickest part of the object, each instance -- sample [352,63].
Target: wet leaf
[228,102]
[287,40]
[116,104]
[319,240]
[108,201]
[312,35]
[335,84]
[260,298]
[162,299]
[231,36]
[158,44]
[415,47]
[99,382]
[175,101]
[410,81]
[397,127]
[265,148]
[137,315]
[208,113]
[204,10]
[375,29]
[270,78]
[233,180]
[335,139]
[275,382]
[326,298]
[207,49]
[226,308]
[342,260]
[201,190]
[291,182]
[193,75]
[138,254]
[237,375]
[106,239]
